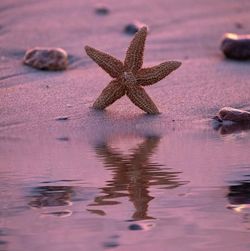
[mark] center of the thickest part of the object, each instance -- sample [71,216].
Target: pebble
[51,59]
[60,213]
[62,118]
[238,25]
[132,28]
[110,244]
[135,227]
[63,138]
[234,115]
[236,46]
[102,10]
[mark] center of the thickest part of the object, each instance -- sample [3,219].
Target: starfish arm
[134,56]
[149,76]
[109,95]
[141,99]
[111,65]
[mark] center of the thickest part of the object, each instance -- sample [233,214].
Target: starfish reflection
[133,175]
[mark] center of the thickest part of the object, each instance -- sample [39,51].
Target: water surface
[127,191]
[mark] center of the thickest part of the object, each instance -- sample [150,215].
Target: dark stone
[63,138]
[62,118]
[236,46]
[102,10]
[135,227]
[235,115]
[51,59]
[132,28]
[110,244]
[59,213]
[238,25]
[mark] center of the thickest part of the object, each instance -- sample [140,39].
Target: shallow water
[183,190]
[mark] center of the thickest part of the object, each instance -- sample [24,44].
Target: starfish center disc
[129,78]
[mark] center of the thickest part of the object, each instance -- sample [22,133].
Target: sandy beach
[77,184]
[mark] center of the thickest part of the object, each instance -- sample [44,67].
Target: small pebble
[63,138]
[110,244]
[238,25]
[132,28]
[51,59]
[232,114]
[236,46]
[62,118]
[102,10]
[115,236]
[60,213]
[135,227]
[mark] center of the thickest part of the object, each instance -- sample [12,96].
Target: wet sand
[77,184]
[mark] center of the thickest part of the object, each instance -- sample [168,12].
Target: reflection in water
[231,128]
[240,194]
[239,198]
[133,175]
[51,196]
[3,243]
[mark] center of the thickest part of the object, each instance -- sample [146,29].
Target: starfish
[130,77]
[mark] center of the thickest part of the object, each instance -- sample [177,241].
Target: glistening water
[185,190]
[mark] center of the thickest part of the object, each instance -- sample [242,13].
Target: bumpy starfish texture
[130,77]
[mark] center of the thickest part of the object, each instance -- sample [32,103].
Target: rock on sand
[51,59]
